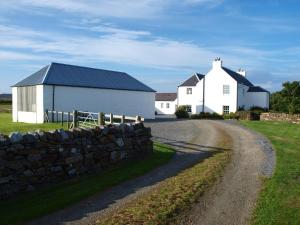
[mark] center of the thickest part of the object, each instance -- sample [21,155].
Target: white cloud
[106,8]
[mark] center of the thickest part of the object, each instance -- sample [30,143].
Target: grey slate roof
[165,96]
[257,89]
[238,77]
[193,80]
[77,76]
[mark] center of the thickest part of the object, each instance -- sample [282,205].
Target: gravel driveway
[229,202]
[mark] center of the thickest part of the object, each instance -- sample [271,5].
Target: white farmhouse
[165,103]
[227,91]
[221,90]
[61,87]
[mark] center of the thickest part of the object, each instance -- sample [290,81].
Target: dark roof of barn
[193,80]
[165,96]
[238,77]
[78,76]
[257,89]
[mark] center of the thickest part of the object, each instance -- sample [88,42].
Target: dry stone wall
[30,160]
[281,117]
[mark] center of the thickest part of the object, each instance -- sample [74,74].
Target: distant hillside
[5,97]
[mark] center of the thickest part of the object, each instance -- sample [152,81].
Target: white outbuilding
[61,87]
[165,103]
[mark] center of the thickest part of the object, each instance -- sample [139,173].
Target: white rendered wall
[260,99]
[15,104]
[130,103]
[214,98]
[195,99]
[29,117]
[165,110]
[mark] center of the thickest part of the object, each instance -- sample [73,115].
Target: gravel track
[229,202]
[233,197]
[192,140]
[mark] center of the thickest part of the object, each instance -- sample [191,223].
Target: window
[189,91]
[226,89]
[167,105]
[243,92]
[189,108]
[225,109]
[161,105]
[26,99]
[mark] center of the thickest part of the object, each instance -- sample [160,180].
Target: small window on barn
[189,91]
[27,99]
[226,89]
[161,105]
[168,105]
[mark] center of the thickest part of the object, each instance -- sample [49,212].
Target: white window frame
[167,105]
[226,109]
[189,108]
[226,89]
[189,91]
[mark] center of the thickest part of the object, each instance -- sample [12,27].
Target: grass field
[7,126]
[5,106]
[279,201]
[39,203]
[174,195]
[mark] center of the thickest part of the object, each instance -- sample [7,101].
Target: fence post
[75,119]
[68,120]
[123,119]
[52,116]
[47,116]
[111,118]
[101,119]
[62,119]
[137,119]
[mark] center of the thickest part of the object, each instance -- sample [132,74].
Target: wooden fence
[87,120]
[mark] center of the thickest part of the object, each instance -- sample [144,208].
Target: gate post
[111,118]
[75,119]
[101,119]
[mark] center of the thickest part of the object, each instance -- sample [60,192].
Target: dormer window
[189,91]
[226,89]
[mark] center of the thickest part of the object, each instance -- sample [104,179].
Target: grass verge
[174,195]
[279,200]
[42,202]
[7,126]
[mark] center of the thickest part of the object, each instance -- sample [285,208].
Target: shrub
[248,115]
[258,109]
[206,115]
[181,112]
[195,116]
[231,116]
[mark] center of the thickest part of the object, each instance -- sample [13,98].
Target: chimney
[217,63]
[241,72]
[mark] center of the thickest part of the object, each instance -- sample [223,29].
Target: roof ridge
[86,67]
[46,73]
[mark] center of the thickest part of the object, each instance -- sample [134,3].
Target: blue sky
[159,42]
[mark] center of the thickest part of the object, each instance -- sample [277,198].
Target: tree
[288,99]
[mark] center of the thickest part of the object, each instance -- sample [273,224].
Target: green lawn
[38,203]
[279,201]
[7,126]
